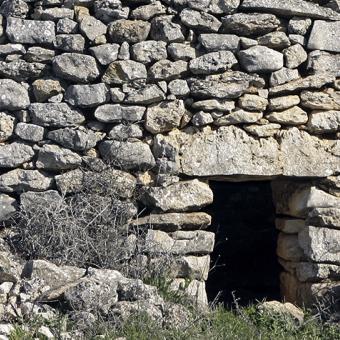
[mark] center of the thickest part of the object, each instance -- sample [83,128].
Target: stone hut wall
[173,93]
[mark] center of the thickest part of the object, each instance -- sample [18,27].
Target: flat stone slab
[325,36]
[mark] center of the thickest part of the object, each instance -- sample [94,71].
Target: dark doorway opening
[244,262]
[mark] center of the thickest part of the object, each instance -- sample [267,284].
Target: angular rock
[239,116]
[56,13]
[293,116]
[149,51]
[310,82]
[202,118]
[30,31]
[289,226]
[231,84]
[324,122]
[320,244]
[214,104]
[294,56]
[326,100]
[13,95]
[6,126]
[20,180]
[174,221]
[66,26]
[55,115]
[148,94]
[70,181]
[130,155]
[181,196]
[168,70]
[179,51]
[147,12]
[162,28]
[75,67]
[214,42]
[123,71]
[108,11]
[106,53]
[215,6]
[283,103]
[8,206]
[43,89]
[213,62]
[180,242]
[91,27]
[299,25]
[324,36]
[114,113]
[86,96]
[276,40]
[253,102]
[30,132]
[164,117]
[78,140]
[131,31]
[15,154]
[14,8]
[191,267]
[323,62]
[123,132]
[201,21]
[20,70]
[260,59]
[70,42]
[292,7]
[179,87]
[267,130]
[39,55]
[307,271]
[8,49]
[283,76]
[250,24]
[55,158]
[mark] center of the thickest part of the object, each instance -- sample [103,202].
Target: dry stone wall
[167,92]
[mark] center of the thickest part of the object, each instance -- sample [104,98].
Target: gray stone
[326,100]
[55,115]
[291,8]
[250,24]
[147,12]
[162,28]
[191,267]
[283,76]
[292,116]
[181,196]
[117,95]
[179,87]
[70,181]
[78,140]
[214,42]
[106,53]
[231,84]
[124,51]
[276,40]
[91,27]
[320,244]
[38,54]
[15,154]
[70,42]
[12,49]
[252,102]
[199,20]
[110,10]
[298,39]
[124,132]
[299,25]
[179,51]
[180,242]
[294,56]
[324,217]
[14,8]
[213,62]
[115,113]
[239,116]
[311,272]
[214,104]
[260,59]
[168,70]
[30,132]
[30,31]
[289,225]
[55,158]
[174,221]
[75,67]
[6,126]
[324,36]
[66,26]
[323,62]
[43,89]
[131,31]
[202,118]
[247,42]
[123,71]
[310,82]
[324,122]
[87,95]
[263,131]
[20,70]
[13,95]
[20,180]
[148,94]
[283,103]
[130,155]
[56,13]
[288,247]
[149,51]
[8,206]
[164,117]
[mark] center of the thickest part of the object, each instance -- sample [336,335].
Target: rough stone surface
[30,132]
[13,95]
[8,206]
[114,113]
[6,126]
[324,36]
[15,154]
[293,116]
[321,122]
[132,31]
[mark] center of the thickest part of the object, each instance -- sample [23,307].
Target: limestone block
[288,248]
